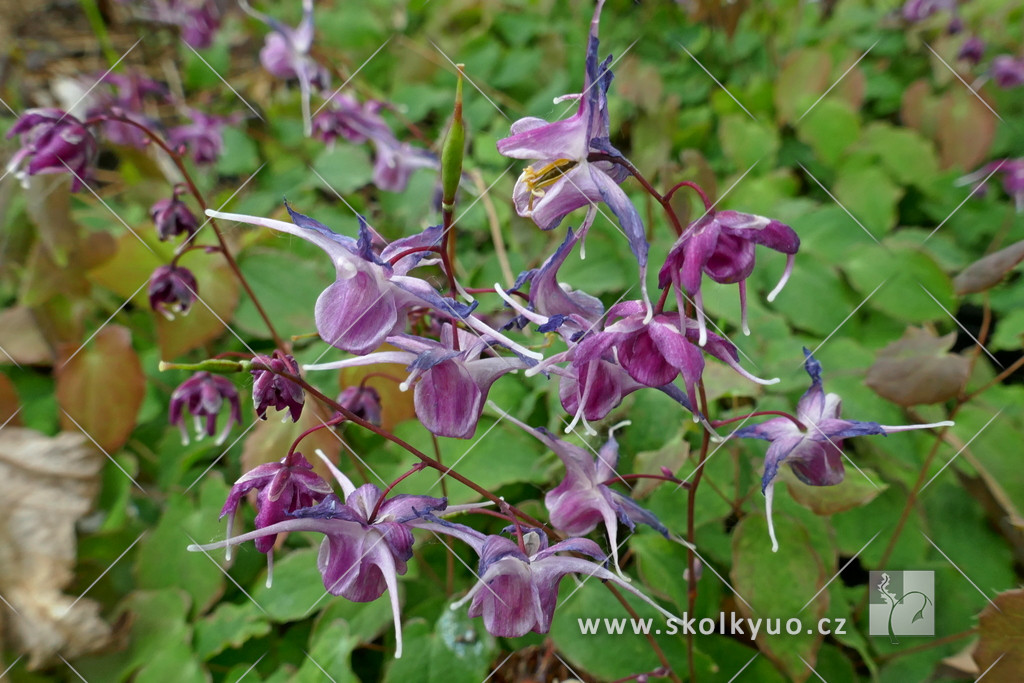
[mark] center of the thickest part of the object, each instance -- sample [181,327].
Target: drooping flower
[286,54]
[584,499]
[196,20]
[172,217]
[394,161]
[371,295]
[972,50]
[203,136]
[362,400]
[270,389]
[721,245]
[172,290]
[814,448]
[451,382]
[53,141]
[203,396]
[517,591]
[282,488]
[367,540]
[562,177]
[1008,71]
[1012,171]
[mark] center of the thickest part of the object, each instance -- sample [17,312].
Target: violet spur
[813,450]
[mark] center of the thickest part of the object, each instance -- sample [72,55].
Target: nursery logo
[901,604]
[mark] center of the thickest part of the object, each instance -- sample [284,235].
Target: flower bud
[173,217]
[172,290]
[364,401]
[271,389]
[53,141]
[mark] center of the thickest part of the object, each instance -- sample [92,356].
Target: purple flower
[721,245]
[286,54]
[282,488]
[362,400]
[518,587]
[972,50]
[172,291]
[1008,71]
[554,305]
[173,217]
[1013,178]
[371,295]
[451,384]
[368,541]
[203,137]
[394,162]
[270,389]
[657,352]
[919,10]
[589,391]
[563,178]
[583,499]
[814,448]
[203,396]
[53,141]
[197,20]
[127,99]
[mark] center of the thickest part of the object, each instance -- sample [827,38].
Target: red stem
[194,190]
[376,507]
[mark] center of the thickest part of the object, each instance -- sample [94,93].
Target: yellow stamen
[536,179]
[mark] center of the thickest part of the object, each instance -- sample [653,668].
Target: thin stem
[798,423]
[384,494]
[430,462]
[1017,365]
[693,186]
[660,477]
[194,191]
[303,435]
[691,508]
[414,250]
[659,653]
[663,200]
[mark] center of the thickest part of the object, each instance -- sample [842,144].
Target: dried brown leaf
[1001,647]
[46,485]
[989,271]
[22,339]
[917,369]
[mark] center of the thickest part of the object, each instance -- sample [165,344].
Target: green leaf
[869,194]
[230,625]
[778,585]
[746,141]
[853,491]
[240,156]
[345,167]
[164,562]
[905,154]
[161,642]
[830,128]
[911,279]
[329,655]
[456,650]
[297,590]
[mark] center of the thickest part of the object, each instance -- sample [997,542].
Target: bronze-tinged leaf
[918,109]
[218,293]
[47,484]
[1001,646]
[856,489]
[917,369]
[10,406]
[21,339]
[990,270]
[966,129]
[804,76]
[101,387]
